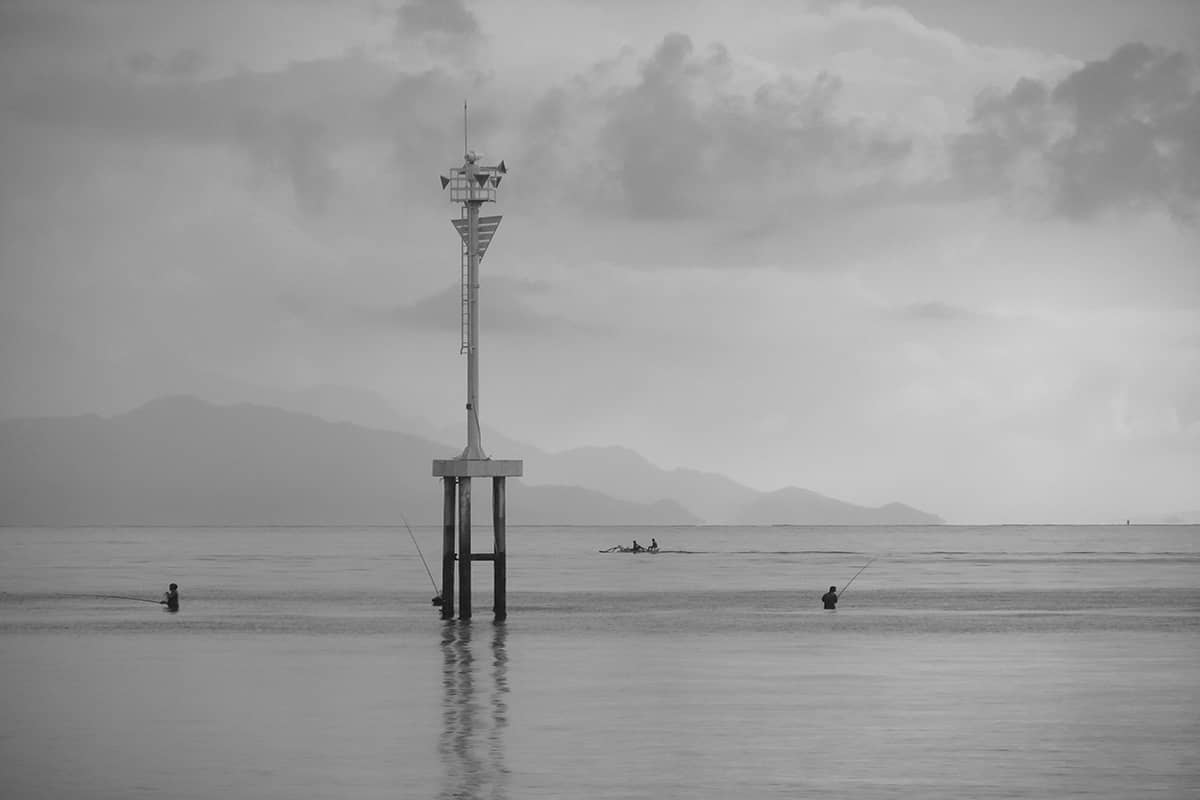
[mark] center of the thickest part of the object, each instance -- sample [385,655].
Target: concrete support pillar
[448,510]
[464,548]
[500,566]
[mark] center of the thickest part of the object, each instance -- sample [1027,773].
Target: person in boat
[653,548]
[637,548]
[171,598]
[830,598]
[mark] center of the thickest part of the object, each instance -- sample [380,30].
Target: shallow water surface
[1023,662]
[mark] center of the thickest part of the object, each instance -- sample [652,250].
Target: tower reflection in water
[474,710]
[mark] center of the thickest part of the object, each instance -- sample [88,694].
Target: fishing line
[847,586]
[123,597]
[422,555]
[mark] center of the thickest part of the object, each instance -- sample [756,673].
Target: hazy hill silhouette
[786,505]
[183,461]
[623,473]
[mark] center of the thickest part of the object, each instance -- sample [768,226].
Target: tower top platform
[478,467]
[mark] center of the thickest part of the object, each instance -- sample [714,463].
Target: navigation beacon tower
[472,185]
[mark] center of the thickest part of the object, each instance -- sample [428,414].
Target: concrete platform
[477,468]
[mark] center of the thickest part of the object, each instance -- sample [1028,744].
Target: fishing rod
[847,586]
[123,597]
[422,555]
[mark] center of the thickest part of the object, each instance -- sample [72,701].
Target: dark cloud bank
[1118,133]
[683,135]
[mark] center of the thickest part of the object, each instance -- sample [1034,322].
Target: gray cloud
[1118,133]
[292,123]
[656,133]
[690,136]
[1003,126]
[508,307]
[422,116]
[37,23]
[505,307]
[296,148]
[446,21]
[289,123]
[937,311]
[185,63]
[939,314]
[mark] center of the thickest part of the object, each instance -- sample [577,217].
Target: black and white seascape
[818,379]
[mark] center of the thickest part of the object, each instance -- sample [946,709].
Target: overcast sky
[946,253]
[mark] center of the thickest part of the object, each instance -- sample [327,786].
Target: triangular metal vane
[487,229]
[496,180]
[445,181]
[482,178]
[503,169]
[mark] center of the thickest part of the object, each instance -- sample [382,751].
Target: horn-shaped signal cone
[503,169]
[445,181]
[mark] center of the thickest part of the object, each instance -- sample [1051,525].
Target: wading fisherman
[171,598]
[653,548]
[830,598]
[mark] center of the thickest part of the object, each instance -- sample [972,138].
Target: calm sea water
[1030,662]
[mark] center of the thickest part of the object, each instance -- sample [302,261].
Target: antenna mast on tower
[472,185]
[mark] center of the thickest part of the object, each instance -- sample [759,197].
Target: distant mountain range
[184,461]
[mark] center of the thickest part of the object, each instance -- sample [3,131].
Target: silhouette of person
[830,598]
[171,598]
[653,545]
[637,548]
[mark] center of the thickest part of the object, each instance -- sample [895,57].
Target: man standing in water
[830,598]
[171,598]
